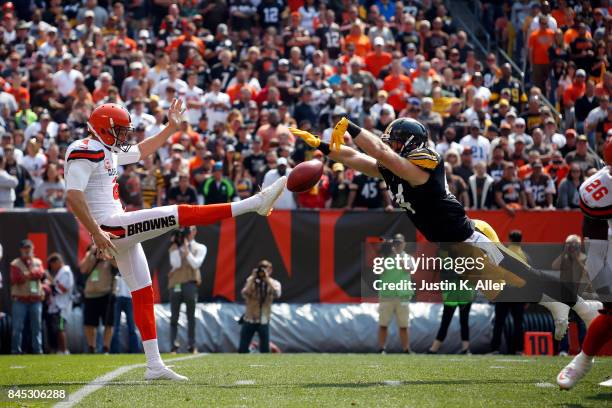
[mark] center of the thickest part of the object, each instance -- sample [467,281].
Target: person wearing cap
[478,144]
[218,189]
[339,187]
[133,80]
[65,79]
[576,89]
[583,156]
[377,59]
[540,188]
[509,192]
[519,129]
[287,200]
[507,81]
[394,303]
[551,135]
[27,294]
[216,103]
[539,43]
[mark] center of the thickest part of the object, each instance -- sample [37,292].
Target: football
[304,176]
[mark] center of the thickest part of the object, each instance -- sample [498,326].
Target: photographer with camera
[259,292]
[572,265]
[186,258]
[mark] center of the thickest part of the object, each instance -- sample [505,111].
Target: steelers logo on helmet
[404,135]
[112,124]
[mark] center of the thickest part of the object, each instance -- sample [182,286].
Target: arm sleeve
[6,180]
[196,259]
[131,156]
[175,259]
[77,174]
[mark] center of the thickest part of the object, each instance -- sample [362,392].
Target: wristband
[324,148]
[353,130]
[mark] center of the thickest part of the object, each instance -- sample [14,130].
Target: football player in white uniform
[596,204]
[93,196]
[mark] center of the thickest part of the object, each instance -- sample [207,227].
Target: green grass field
[313,380]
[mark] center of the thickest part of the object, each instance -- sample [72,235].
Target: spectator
[509,191]
[123,304]
[65,79]
[218,189]
[13,168]
[368,192]
[339,187]
[59,303]
[8,183]
[464,169]
[186,258]
[183,192]
[27,294]
[479,145]
[151,183]
[540,41]
[540,188]
[582,156]
[568,197]
[395,303]
[98,304]
[130,191]
[481,188]
[259,292]
[287,198]
[51,193]
[34,161]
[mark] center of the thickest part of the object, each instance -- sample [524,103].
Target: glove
[310,139]
[337,137]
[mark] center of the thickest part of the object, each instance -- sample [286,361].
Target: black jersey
[223,74]
[435,212]
[369,191]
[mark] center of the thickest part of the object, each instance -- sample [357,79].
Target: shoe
[91,350]
[174,350]
[431,352]
[574,371]
[563,354]
[382,351]
[269,195]
[494,353]
[407,351]
[163,373]
[585,311]
[607,383]
[467,352]
[560,312]
[192,350]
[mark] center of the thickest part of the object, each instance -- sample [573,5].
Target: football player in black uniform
[416,180]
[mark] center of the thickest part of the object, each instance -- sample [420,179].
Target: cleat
[560,312]
[269,195]
[163,373]
[607,383]
[573,372]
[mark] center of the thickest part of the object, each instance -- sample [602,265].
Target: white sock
[582,359]
[247,205]
[151,350]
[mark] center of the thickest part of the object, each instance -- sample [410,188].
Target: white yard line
[93,386]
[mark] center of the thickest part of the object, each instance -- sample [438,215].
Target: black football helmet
[404,135]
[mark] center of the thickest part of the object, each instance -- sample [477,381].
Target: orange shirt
[539,43]
[401,82]
[20,94]
[99,94]
[573,92]
[362,44]
[375,62]
[560,16]
[234,91]
[181,39]
[112,46]
[193,136]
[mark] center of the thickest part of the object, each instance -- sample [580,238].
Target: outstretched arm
[343,154]
[374,147]
[150,145]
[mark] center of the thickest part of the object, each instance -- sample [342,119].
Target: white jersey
[596,196]
[92,168]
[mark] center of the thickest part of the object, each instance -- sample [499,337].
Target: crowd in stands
[249,69]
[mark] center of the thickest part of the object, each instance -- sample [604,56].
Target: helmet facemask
[399,145]
[122,135]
